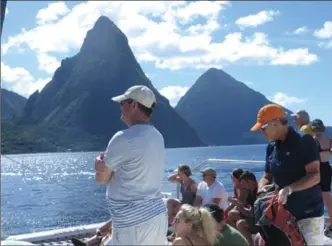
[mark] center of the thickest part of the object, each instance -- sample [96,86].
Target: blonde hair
[201,220]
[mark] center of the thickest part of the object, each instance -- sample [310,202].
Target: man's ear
[135,104]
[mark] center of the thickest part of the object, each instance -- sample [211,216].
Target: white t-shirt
[216,190]
[136,156]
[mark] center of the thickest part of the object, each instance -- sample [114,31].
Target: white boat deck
[58,236]
[63,236]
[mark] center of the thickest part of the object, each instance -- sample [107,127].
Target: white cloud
[164,33]
[211,26]
[285,100]
[6,11]
[325,33]
[47,63]
[327,44]
[52,13]
[19,80]
[294,57]
[299,31]
[258,19]
[173,93]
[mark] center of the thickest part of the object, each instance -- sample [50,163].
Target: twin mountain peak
[75,111]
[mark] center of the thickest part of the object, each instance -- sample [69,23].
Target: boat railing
[216,160]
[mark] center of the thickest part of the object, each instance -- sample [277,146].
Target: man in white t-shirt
[210,190]
[133,169]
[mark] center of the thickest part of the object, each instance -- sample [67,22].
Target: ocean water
[56,190]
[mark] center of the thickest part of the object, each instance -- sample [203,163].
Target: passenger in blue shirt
[292,163]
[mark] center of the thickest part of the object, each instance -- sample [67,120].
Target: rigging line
[55,182]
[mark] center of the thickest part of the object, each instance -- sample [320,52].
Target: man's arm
[311,159]
[115,155]
[312,177]
[267,179]
[219,195]
[103,173]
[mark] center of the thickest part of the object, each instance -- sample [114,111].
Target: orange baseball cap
[267,113]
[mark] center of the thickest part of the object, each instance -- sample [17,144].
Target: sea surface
[56,190]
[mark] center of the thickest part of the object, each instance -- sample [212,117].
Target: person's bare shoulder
[179,241]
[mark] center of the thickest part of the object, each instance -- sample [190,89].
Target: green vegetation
[43,138]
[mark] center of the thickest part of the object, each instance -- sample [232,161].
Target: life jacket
[276,223]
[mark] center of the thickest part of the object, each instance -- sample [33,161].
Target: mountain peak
[62,116]
[217,74]
[231,105]
[103,23]
[104,38]
[11,103]
[214,70]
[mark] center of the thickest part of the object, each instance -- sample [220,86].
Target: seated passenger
[236,174]
[227,235]
[210,190]
[194,226]
[188,185]
[241,216]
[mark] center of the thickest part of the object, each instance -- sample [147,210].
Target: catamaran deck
[58,236]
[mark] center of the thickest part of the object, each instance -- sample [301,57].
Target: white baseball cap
[139,93]
[302,115]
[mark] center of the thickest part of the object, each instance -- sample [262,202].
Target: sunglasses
[263,127]
[129,101]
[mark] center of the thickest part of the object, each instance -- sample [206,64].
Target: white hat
[139,93]
[302,115]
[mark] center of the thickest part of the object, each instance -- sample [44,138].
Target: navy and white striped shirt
[136,156]
[127,214]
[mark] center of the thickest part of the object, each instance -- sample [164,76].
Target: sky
[282,49]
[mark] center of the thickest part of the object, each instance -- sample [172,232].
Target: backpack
[277,226]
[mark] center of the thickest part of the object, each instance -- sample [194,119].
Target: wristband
[290,191]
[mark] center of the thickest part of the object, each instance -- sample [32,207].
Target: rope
[55,182]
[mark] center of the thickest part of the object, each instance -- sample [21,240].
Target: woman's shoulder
[190,240]
[180,241]
[192,181]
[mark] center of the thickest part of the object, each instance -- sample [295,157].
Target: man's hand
[100,165]
[265,180]
[265,188]
[103,172]
[283,195]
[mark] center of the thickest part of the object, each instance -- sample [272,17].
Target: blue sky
[282,49]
